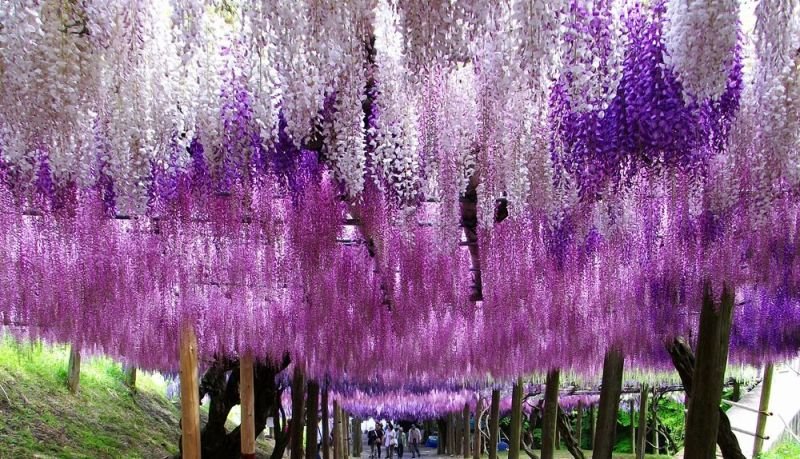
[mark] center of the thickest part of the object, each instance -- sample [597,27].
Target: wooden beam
[550,418]
[763,408]
[641,440]
[609,404]
[74,369]
[190,394]
[247,404]
[298,421]
[516,420]
[326,442]
[312,419]
[494,424]
[476,445]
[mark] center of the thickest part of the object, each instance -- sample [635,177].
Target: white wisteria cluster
[700,39]
[536,26]
[777,76]
[48,81]
[455,89]
[395,156]
[592,55]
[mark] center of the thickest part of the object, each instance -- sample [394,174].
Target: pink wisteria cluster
[400,194]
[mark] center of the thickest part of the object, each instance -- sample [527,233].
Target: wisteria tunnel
[460,225]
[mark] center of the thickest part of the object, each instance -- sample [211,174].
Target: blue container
[502,446]
[433,441]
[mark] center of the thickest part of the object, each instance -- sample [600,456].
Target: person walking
[390,441]
[372,439]
[379,439]
[401,441]
[414,439]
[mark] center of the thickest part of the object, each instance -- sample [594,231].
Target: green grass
[39,417]
[783,450]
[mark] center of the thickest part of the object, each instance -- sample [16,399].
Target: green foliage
[785,449]
[671,415]
[39,417]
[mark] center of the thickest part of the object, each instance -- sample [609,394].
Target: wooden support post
[298,404]
[190,395]
[465,428]
[516,420]
[763,408]
[641,441]
[579,425]
[703,418]
[312,419]
[342,433]
[74,369]
[476,445]
[550,418]
[632,414]
[355,435]
[609,404]
[326,432]
[656,447]
[248,409]
[684,361]
[130,377]
[494,424]
[451,434]
[345,432]
[592,426]
[337,429]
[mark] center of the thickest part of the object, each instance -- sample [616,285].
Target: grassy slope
[783,450]
[40,418]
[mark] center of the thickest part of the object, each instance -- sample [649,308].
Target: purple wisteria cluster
[393,194]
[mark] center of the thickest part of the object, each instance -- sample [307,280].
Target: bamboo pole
[609,404]
[641,440]
[247,401]
[312,419]
[763,407]
[516,420]
[190,395]
[550,418]
[476,446]
[494,424]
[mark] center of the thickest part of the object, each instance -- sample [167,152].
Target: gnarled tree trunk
[221,384]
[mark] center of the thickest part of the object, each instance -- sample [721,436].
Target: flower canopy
[400,194]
